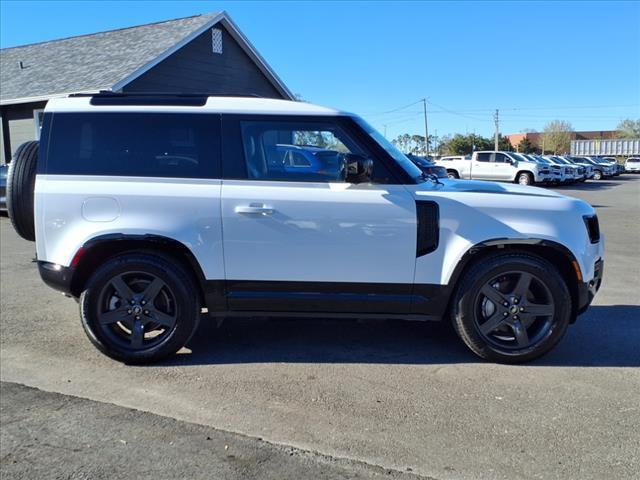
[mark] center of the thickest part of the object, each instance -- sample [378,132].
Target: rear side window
[135,144]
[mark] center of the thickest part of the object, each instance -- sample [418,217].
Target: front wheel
[511,308]
[597,175]
[139,308]
[452,174]
[525,178]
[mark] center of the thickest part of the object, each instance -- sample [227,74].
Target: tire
[21,181]
[521,335]
[151,313]
[597,175]
[452,174]
[525,178]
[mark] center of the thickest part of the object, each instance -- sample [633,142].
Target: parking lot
[327,399]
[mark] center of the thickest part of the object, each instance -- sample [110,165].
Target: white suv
[151,210]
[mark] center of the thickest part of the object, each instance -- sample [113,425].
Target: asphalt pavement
[369,398]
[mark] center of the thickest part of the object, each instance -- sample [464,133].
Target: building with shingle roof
[198,54]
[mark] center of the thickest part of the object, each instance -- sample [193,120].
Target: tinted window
[135,144]
[483,157]
[501,158]
[296,151]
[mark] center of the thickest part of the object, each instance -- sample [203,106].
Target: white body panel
[632,165]
[318,232]
[71,210]
[476,212]
[326,232]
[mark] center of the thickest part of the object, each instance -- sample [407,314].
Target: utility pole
[496,119]
[426,128]
[385,131]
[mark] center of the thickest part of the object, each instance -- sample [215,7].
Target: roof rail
[106,97]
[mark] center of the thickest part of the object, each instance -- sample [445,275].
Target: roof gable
[106,60]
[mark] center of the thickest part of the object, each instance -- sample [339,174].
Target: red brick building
[536,137]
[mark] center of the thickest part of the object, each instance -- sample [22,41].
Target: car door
[310,241]
[502,168]
[482,166]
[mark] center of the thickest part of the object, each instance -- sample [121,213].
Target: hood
[476,186]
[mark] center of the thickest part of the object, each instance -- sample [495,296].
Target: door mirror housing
[359,168]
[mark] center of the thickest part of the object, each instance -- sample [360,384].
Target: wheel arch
[528,172]
[556,253]
[97,250]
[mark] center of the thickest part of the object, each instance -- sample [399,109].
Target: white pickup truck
[498,166]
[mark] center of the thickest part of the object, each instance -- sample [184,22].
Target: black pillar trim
[6,137]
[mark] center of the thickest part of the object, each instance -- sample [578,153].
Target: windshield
[517,156]
[397,155]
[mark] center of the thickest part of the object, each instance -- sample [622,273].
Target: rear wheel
[139,308]
[512,308]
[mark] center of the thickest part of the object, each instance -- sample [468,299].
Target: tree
[504,144]
[412,143]
[525,146]
[465,144]
[628,129]
[557,136]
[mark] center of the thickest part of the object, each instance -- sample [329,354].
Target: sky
[534,61]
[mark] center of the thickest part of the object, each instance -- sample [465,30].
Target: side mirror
[359,168]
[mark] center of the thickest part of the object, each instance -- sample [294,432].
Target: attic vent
[216,40]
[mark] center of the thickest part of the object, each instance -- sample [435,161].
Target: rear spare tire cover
[21,181]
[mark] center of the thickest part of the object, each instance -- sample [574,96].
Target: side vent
[428,227]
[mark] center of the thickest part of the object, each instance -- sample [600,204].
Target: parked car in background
[571,171]
[578,171]
[614,161]
[428,166]
[498,166]
[558,173]
[305,160]
[582,162]
[632,165]
[600,170]
[446,161]
[3,187]
[613,168]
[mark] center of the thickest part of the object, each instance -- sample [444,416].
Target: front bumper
[56,276]
[587,290]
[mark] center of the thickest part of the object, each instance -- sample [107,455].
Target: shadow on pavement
[605,336]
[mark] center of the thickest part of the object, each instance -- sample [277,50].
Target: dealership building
[198,54]
[536,137]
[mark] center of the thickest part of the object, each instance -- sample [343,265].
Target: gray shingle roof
[88,62]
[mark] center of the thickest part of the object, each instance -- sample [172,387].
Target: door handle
[254,209]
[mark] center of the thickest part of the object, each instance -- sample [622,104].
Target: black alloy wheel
[136,310]
[140,307]
[514,311]
[511,307]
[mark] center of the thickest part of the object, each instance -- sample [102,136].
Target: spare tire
[21,182]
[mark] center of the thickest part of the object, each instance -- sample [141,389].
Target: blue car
[308,160]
